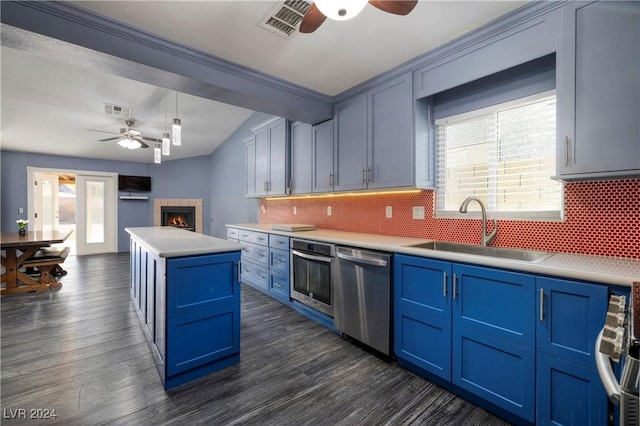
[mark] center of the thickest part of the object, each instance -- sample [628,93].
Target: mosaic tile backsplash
[601,218]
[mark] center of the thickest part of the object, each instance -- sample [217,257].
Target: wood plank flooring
[80,351]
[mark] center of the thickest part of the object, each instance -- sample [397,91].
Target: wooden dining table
[19,248]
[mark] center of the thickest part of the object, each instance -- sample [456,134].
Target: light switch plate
[295,210]
[329,211]
[388,212]
[418,212]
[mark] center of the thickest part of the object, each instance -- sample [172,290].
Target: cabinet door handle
[278,285]
[455,285]
[368,175]
[542,304]
[566,151]
[444,285]
[330,179]
[364,175]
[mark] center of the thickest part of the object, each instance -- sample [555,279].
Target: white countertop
[167,241]
[600,269]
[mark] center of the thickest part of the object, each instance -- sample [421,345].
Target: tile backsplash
[601,218]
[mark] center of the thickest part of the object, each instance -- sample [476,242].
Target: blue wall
[228,202]
[188,178]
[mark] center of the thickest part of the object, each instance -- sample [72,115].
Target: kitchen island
[186,291]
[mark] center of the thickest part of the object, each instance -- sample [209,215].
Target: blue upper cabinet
[350,144]
[598,91]
[322,157]
[374,145]
[267,163]
[301,159]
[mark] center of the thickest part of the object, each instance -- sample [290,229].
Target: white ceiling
[48,105]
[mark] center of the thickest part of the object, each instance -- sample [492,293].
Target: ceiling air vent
[284,19]
[117,110]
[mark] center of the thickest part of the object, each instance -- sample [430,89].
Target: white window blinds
[504,155]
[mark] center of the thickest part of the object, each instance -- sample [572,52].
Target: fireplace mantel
[158,203]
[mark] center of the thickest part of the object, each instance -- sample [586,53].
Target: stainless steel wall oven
[311,272]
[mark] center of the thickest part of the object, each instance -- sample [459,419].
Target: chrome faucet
[486,239]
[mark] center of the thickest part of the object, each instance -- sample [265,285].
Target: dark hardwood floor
[80,351]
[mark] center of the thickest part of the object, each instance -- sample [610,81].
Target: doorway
[80,201]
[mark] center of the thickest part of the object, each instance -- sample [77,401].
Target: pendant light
[166,142]
[177,127]
[157,154]
[340,10]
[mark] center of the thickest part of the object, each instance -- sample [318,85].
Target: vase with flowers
[22,226]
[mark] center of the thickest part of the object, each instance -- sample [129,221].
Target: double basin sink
[532,256]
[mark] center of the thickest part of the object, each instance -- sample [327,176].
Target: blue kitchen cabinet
[598,86]
[267,163]
[350,144]
[279,262]
[422,314]
[390,154]
[301,158]
[322,157]
[494,336]
[570,317]
[374,146]
[255,259]
[189,308]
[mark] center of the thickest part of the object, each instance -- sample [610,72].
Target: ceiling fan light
[124,143]
[340,10]
[176,129]
[157,154]
[166,144]
[134,144]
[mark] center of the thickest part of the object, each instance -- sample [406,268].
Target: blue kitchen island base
[187,301]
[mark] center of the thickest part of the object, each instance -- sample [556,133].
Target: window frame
[534,216]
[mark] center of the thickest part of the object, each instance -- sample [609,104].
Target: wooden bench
[45,259]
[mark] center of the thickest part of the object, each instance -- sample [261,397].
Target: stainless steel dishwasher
[362,297]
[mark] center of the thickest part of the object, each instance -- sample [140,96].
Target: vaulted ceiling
[48,105]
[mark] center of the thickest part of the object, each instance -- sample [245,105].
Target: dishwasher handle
[364,260]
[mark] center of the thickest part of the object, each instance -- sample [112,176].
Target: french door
[95,214]
[96,207]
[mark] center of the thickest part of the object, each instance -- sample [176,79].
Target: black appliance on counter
[311,274]
[619,341]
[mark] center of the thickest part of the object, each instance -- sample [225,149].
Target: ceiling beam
[67,33]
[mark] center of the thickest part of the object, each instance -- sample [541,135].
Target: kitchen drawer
[233,234]
[256,254]
[279,261]
[279,242]
[279,286]
[254,237]
[255,275]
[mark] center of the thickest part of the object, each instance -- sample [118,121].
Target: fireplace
[177,205]
[179,216]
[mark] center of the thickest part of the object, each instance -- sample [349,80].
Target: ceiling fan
[128,137]
[320,10]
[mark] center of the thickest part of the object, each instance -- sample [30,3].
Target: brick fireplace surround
[186,202]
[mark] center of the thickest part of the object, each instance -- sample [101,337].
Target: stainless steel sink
[500,252]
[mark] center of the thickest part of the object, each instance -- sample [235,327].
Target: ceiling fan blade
[393,6]
[312,20]
[109,139]
[148,139]
[102,131]
[143,145]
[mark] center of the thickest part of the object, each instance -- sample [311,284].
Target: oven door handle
[311,256]
[605,372]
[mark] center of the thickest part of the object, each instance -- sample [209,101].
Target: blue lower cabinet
[569,394]
[279,286]
[189,308]
[201,338]
[255,275]
[423,341]
[497,371]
